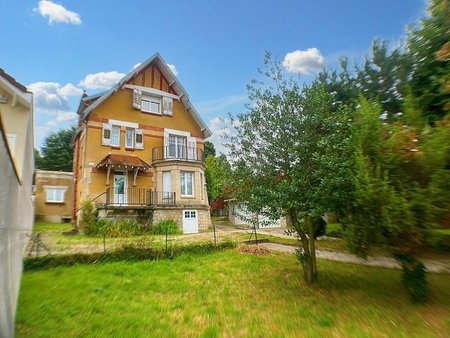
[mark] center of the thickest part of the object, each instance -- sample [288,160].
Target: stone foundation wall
[204,218]
[161,213]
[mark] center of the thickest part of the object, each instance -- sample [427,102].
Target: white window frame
[133,132]
[150,100]
[185,185]
[52,189]
[115,127]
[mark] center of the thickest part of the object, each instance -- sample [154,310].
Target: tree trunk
[312,245]
[307,258]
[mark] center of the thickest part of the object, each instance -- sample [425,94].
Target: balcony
[178,153]
[137,197]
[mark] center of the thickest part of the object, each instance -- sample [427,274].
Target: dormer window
[151,104]
[157,103]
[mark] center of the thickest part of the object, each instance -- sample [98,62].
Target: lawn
[226,294]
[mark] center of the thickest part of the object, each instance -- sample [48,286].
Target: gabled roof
[13,81]
[177,87]
[14,88]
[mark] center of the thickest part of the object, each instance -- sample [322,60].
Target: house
[238,215]
[138,150]
[16,208]
[53,195]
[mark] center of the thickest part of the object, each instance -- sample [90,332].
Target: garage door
[266,222]
[190,221]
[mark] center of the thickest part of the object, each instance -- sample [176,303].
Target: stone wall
[204,219]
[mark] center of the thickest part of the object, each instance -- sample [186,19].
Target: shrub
[166,224]
[414,277]
[88,217]
[439,241]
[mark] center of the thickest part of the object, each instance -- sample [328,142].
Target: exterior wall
[16,120]
[16,208]
[176,214]
[91,182]
[237,215]
[51,211]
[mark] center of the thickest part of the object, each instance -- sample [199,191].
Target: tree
[288,153]
[210,150]
[217,175]
[428,49]
[37,159]
[57,151]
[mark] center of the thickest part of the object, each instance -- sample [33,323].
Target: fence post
[214,228]
[104,243]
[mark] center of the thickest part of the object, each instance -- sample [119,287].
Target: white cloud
[57,13]
[70,90]
[220,127]
[173,69]
[101,80]
[51,96]
[304,61]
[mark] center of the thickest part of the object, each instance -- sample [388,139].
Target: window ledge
[54,202]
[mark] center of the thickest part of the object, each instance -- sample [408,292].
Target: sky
[60,48]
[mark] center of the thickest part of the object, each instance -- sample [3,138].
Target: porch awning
[123,162]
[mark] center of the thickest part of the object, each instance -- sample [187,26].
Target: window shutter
[12,143]
[167,105]
[139,139]
[137,98]
[192,148]
[106,134]
[166,144]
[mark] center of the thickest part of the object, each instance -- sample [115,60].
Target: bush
[126,253]
[439,241]
[334,230]
[414,277]
[110,228]
[88,217]
[169,224]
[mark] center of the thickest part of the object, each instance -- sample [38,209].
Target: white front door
[167,187]
[190,221]
[120,188]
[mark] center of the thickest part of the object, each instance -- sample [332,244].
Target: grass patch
[226,294]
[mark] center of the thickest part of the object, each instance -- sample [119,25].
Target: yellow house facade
[139,148]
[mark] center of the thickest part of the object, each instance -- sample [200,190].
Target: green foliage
[439,240]
[210,150]
[414,277]
[334,230]
[37,159]
[57,151]
[290,152]
[88,217]
[126,252]
[430,79]
[217,175]
[166,225]
[113,229]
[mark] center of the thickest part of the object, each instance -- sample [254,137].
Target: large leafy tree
[428,46]
[57,151]
[289,155]
[217,174]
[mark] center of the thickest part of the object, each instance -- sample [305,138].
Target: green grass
[226,294]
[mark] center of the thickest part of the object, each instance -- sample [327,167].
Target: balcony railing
[175,152]
[119,196]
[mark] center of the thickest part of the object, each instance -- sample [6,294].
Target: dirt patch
[253,249]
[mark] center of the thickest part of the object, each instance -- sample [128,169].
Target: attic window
[154,104]
[150,104]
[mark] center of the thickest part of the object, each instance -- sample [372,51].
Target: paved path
[431,265]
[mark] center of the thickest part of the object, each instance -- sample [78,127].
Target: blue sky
[60,48]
